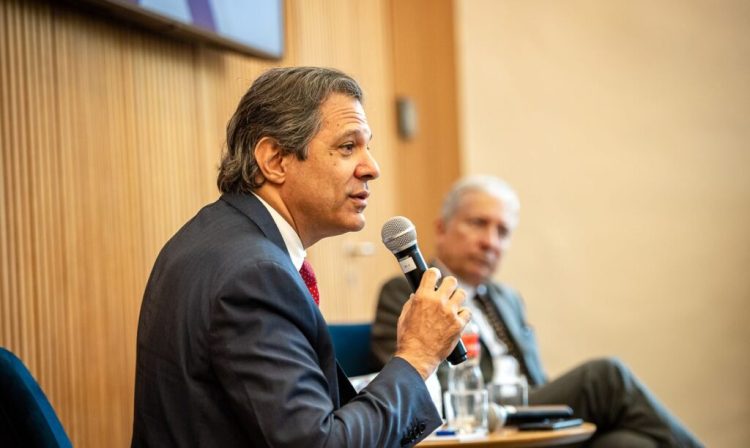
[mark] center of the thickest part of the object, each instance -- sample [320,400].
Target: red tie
[309,277]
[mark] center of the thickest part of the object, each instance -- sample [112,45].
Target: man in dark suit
[232,349]
[478,217]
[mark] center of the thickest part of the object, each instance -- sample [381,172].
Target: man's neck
[466,286]
[270,194]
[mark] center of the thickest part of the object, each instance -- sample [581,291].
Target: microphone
[400,237]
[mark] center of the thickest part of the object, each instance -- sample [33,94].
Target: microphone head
[398,233]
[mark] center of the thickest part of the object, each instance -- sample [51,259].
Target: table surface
[512,437]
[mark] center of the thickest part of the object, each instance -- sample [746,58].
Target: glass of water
[466,411]
[513,391]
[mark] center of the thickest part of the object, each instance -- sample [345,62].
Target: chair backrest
[26,416]
[351,343]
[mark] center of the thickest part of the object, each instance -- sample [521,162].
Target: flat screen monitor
[254,27]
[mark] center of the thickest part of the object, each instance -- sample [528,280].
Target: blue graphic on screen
[255,23]
[174,9]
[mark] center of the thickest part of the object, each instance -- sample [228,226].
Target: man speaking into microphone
[232,349]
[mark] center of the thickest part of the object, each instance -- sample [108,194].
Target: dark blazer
[396,292]
[232,351]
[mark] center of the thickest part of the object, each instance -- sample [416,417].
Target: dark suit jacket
[396,292]
[232,351]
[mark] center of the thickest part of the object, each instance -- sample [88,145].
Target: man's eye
[347,148]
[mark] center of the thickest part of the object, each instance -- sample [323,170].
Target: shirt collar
[291,240]
[470,290]
[486,332]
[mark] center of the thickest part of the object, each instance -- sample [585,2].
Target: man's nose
[491,238]
[368,167]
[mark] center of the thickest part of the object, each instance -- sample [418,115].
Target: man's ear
[439,226]
[270,160]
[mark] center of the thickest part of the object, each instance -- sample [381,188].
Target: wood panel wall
[425,72]
[111,136]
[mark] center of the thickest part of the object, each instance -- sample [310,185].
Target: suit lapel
[523,339]
[250,206]
[512,323]
[507,313]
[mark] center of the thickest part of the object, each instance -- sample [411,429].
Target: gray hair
[491,185]
[284,104]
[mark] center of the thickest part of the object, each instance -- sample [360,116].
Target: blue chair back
[26,416]
[351,343]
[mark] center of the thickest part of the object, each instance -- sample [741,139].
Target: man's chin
[481,275]
[355,224]
[359,224]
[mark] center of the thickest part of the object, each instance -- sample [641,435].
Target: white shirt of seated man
[505,367]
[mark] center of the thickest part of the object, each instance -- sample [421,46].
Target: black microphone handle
[413,265]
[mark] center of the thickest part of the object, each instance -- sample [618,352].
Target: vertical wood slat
[4,127]
[5,111]
[16,280]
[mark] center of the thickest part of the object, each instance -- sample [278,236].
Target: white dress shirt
[288,234]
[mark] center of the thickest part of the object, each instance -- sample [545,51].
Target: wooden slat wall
[110,140]
[424,71]
[104,157]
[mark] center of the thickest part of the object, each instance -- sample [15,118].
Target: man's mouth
[360,197]
[485,262]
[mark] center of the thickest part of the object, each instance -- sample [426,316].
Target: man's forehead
[480,204]
[345,114]
[476,199]
[341,103]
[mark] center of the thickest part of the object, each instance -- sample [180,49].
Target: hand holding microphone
[431,321]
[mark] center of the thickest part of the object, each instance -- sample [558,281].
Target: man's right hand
[431,322]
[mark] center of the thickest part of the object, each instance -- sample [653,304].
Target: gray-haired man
[232,349]
[474,230]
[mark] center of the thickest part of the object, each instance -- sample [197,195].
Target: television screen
[255,27]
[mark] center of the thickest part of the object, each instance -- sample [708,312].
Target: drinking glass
[512,391]
[466,411]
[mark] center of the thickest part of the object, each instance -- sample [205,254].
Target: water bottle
[466,400]
[467,375]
